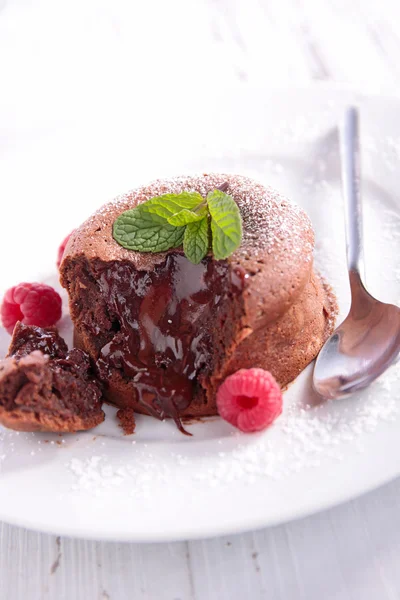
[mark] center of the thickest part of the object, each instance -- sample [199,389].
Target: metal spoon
[368,340]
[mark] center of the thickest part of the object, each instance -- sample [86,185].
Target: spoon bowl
[361,348]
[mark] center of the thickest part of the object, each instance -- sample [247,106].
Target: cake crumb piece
[126,417]
[46,387]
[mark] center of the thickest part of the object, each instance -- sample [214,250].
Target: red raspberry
[250,399]
[61,249]
[32,304]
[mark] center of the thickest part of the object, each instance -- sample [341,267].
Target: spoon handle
[350,159]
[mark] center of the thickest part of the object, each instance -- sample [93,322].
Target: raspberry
[62,249]
[250,399]
[32,304]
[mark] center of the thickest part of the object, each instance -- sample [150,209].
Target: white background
[62,63]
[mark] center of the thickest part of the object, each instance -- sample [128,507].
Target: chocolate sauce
[163,322]
[28,338]
[66,387]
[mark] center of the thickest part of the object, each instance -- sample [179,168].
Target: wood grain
[347,553]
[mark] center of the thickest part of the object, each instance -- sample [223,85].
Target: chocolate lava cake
[163,333]
[45,387]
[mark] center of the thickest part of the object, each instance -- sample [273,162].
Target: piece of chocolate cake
[163,333]
[45,387]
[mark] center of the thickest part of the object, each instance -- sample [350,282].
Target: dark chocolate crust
[45,387]
[278,320]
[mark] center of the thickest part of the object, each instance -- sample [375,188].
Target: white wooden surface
[56,57]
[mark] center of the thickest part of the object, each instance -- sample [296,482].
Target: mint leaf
[167,221]
[170,204]
[226,224]
[143,231]
[185,216]
[195,241]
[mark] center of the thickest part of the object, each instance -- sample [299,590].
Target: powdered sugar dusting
[311,434]
[97,473]
[271,224]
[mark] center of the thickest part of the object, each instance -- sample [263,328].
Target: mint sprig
[167,221]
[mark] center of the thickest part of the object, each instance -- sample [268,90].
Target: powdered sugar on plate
[310,434]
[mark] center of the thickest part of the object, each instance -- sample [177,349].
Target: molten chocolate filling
[26,339]
[163,322]
[70,388]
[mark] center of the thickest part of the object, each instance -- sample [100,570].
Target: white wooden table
[56,56]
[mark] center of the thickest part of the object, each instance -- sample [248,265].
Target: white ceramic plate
[159,484]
